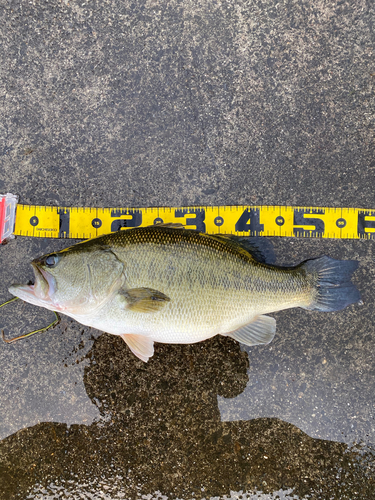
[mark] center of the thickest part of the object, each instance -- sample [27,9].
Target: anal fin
[260,331]
[141,346]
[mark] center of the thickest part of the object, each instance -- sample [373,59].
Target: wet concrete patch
[161,431]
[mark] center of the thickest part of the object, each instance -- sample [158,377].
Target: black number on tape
[300,220]
[135,221]
[364,224]
[250,221]
[197,220]
[64,223]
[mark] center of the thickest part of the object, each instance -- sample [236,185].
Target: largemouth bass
[167,284]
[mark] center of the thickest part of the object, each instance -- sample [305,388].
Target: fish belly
[188,317]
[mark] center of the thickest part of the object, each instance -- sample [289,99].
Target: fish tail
[333,286]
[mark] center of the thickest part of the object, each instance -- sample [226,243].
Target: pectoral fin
[144,299]
[260,331]
[141,346]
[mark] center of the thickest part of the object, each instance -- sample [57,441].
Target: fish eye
[51,260]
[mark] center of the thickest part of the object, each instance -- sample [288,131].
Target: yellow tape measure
[305,222]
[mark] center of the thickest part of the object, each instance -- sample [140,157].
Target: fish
[168,284]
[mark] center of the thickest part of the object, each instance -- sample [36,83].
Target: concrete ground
[122,103]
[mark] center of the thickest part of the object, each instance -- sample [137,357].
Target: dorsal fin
[260,248]
[173,225]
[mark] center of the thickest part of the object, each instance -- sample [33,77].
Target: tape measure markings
[288,221]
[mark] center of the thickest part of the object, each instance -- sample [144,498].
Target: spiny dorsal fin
[173,225]
[144,299]
[260,248]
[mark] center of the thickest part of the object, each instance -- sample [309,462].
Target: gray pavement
[149,103]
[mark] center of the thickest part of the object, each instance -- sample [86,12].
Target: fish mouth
[39,293]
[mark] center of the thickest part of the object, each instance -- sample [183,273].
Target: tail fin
[334,288]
